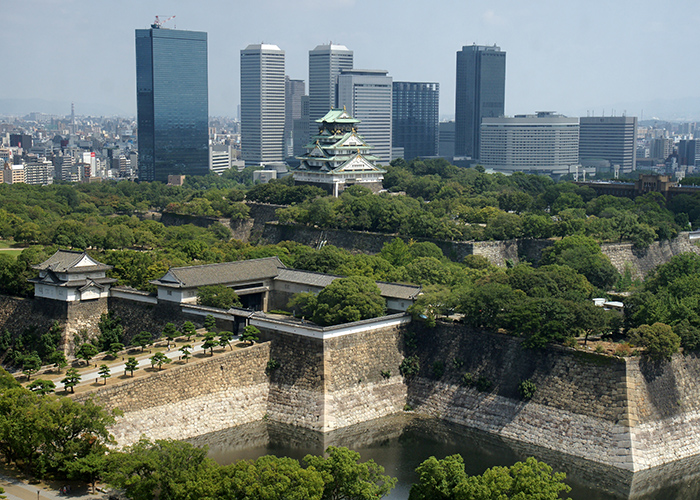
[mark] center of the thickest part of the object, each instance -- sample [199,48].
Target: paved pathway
[145,362]
[87,377]
[19,490]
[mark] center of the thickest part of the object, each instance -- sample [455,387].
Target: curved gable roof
[224,273]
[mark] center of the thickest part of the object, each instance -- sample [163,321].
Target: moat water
[400,443]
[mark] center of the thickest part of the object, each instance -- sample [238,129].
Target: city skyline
[573,58]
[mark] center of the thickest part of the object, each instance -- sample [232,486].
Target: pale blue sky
[562,55]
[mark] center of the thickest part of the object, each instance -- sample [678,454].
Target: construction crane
[158,23]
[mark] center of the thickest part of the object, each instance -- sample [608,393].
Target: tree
[659,340]
[170,468]
[270,477]
[111,331]
[209,343]
[225,339]
[346,478]
[584,255]
[348,299]
[42,387]
[159,359]
[446,479]
[86,352]
[131,365]
[189,329]
[250,335]
[71,379]
[170,333]
[58,360]
[209,323]
[114,350]
[31,364]
[104,372]
[142,340]
[438,479]
[219,296]
[186,349]
[89,468]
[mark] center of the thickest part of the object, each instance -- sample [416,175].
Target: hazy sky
[568,56]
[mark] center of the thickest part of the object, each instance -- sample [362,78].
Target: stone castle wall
[498,252]
[17,314]
[628,413]
[362,377]
[190,400]
[329,384]
[139,317]
[622,255]
[642,261]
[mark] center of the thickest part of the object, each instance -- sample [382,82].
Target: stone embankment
[622,255]
[642,261]
[183,402]
[627,413]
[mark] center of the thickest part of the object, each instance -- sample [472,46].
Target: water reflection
[401,442]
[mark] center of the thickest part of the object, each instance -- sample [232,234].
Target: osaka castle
[338,157]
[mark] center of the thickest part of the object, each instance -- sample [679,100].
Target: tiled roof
[66,261]
[398,290]
[337,116]
[220,274]
[306,277]
[310,278]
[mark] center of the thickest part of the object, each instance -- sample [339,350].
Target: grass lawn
[8,246]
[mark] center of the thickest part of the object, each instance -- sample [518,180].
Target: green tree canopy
[446,480]
[345,300]
[582,254]
[659,340]
[346,478]
[219,296]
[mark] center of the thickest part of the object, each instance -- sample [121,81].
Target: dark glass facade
[172,103]
[480,93]
[416,108]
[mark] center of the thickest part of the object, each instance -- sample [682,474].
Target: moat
[401,442]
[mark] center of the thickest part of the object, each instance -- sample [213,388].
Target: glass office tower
[416,108]
[480,93]
[172,103]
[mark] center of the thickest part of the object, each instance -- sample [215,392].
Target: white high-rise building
[325,65]
[40,172]
[544,143]
[367,95]
[219,158]
[262,104]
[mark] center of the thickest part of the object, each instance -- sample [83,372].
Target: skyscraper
[325,64]
[606,141]
[415,111]
[480,93]
[172,102]
[262,104]
[366,95]
[294,91]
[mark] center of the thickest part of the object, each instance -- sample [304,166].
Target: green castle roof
[337,116]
